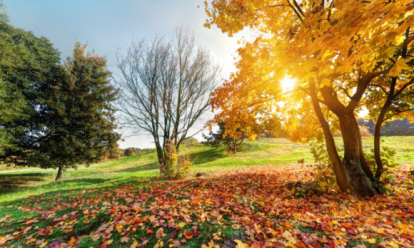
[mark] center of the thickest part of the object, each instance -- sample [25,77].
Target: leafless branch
[165,86]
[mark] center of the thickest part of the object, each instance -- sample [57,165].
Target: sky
[109,25]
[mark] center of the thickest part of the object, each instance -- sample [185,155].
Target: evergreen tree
[52,116]
[28,66]
[82,123]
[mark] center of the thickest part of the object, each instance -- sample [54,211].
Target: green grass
[22,183]
[38,189]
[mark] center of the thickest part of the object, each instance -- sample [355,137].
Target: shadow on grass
[13,182]
[199,158]
[150,166]
[97,185]
[83,181]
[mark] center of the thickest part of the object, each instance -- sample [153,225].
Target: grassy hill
[23,183]
[123,203]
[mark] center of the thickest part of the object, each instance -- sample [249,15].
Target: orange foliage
[254,201]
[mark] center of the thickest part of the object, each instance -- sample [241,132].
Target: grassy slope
[143,167]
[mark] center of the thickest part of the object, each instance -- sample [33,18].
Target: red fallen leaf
[173,235]
[150,231]
[103,245]
[196,234]
[258,244]
[172,225]
[43,232]
[72,217]
[136,221]
[43,217]
[188,235]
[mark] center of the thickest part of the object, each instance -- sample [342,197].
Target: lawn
[123,203]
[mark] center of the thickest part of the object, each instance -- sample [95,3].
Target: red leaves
[188,235]
[251,201]
[43,232]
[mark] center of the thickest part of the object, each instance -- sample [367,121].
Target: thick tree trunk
[59,174]
[354,161]
[339,170]
[359,182]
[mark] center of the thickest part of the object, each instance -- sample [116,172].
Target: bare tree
[165,87]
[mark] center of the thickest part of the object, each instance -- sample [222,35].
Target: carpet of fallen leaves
[248,207]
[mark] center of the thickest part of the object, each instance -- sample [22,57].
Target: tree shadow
[83,181]
[149,166]
[200,158]
[13,182]
[98,186]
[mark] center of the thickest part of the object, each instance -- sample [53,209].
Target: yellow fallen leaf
[372,241]
[240,244]
[30,241]
[43,245]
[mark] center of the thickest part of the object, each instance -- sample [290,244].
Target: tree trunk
[341,179]
[235,146]
[378,125]
[354,162]
[160,156]
[59,174]
[364,163]
[377,139]
[359,183]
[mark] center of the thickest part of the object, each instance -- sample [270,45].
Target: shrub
[183,167]
[129,152]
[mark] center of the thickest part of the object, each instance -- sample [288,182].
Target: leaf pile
[248,207]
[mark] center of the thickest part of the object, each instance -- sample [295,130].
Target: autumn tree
[241,114]
[333,53]
[165,88]
[391,96]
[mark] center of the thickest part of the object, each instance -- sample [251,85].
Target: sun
[288,83]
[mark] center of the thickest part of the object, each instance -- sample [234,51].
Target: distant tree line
[398,127]
[131,151]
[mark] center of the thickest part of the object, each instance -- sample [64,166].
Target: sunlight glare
[288,83]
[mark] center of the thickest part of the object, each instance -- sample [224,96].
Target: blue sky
[111,24]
